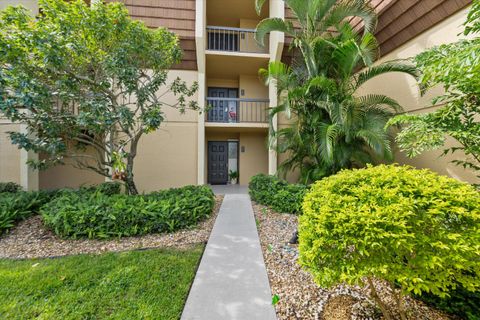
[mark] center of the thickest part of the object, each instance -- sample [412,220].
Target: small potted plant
[233,177]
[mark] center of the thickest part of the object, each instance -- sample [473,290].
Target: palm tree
[334,127]
[315,18]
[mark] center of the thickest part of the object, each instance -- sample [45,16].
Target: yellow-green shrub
[413,228]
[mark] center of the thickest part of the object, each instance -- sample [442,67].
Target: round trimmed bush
[413,228]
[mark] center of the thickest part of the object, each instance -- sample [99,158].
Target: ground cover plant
[10,187]
[87,77]
[276,193]
[414,229]
[95,215]
[17,205]
[151,284]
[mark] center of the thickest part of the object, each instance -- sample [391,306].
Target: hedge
[276,193]
[77,215]
[412,228]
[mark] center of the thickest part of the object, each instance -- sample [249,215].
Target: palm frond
[352,8]
[299,9]
[378,100]
[272,24]
[402,66]
[259,5]
[369,49]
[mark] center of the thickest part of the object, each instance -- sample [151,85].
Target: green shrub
[10,187]
[106,188]
[276,193]
[16,205]
[95,215]
[20,205]
[413,228]
[460,302]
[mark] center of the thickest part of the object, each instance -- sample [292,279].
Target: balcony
[234,111]
[228,39]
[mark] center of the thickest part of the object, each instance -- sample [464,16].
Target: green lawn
[149,284]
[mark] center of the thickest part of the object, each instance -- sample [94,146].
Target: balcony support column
[272,153]
[200,41]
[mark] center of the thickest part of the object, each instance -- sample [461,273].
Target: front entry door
[218,162]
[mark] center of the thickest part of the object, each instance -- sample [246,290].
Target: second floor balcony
[228,39]
[234,110]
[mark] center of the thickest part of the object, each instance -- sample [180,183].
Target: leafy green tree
[86,78]
[414,229]
[333,127]
[457,68]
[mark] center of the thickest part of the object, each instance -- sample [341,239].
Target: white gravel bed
[30,239]
[301,298]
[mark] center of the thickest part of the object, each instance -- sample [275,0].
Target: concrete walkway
[231,282]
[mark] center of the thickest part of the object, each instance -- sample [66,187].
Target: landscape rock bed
[30,239]
[300,297]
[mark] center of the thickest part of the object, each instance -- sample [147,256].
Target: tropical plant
[10,187]
[457,68]
[276,193]
[415,229]
[233,174]
[332,126]
[96,215]
[86,78]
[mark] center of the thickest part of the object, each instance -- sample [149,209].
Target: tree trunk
[378,300]
[130,186]
[129,182]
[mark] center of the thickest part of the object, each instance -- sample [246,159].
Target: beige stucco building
[222,56]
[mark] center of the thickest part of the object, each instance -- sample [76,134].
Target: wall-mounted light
[242,149]
[242,92]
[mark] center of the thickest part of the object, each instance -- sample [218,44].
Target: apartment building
[220,53]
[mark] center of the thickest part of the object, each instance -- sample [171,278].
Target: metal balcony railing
[232,110]
[234,40]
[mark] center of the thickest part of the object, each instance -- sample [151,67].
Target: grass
[150,284]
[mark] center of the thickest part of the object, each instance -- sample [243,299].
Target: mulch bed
[301,298]
[30,239]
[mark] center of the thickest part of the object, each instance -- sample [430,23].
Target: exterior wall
[10,155]
[29,4]
[253,87]
[67,176]
[404,89]
[168,157]
[255,158]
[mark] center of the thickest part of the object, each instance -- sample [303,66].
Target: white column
[277,40]
[201,130]
[28,176]
[200,39]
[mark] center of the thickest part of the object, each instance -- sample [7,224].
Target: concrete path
[231,282]
[229,189]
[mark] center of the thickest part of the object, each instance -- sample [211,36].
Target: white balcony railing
[232,110]
[233,40]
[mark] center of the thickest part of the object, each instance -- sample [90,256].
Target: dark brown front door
[217,162]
